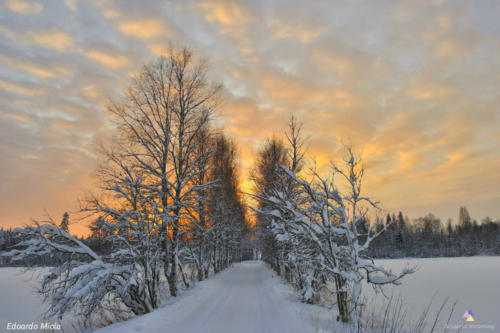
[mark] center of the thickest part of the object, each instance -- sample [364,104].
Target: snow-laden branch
[328,227]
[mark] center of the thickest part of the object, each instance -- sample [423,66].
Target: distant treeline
[428,237]
[422,237]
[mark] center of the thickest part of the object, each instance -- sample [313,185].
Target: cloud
[71,4]
[20,89]
[54,39]
[33,68]
[158,48]
[144,29]
[24,7]
[296,30]
[19,117]
[108,60]
[412,85]
[226,13]
[232,19]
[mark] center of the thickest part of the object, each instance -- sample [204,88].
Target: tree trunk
[184,279]
[172,279]
[340,284]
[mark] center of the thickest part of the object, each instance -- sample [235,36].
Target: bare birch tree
[169,104]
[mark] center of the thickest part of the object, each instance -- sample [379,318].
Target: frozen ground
[474,282]
[249,298]
[19,302]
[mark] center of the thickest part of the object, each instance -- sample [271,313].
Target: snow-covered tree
[226,211]
[268,176]
[64,225]
[287,255]
[327,220]
[167,107]
[154,211]
[198,248]
[88,282]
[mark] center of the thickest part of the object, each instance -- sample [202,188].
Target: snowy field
[473,282]
[249,298]
[19,303]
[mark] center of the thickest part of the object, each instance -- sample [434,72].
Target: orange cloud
[422,110]
[342,66]
[144,29]
[233,20]
[423,89]
[158,48]
[296,30]
[23,118]
[24,7]
[108,60]
[53,39]
[447,49]
[20,89]
[225,12]
[33,68]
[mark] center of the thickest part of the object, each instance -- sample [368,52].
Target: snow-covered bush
[327,226]
[87,280]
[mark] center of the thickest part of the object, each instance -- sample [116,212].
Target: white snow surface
[245,298]
[19,301]
[473,282]
[248,297]
[21,304]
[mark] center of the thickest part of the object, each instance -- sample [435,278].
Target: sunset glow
[412,85]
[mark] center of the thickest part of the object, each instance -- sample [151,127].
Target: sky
[412,85]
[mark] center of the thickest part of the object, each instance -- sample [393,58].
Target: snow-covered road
[244,298]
